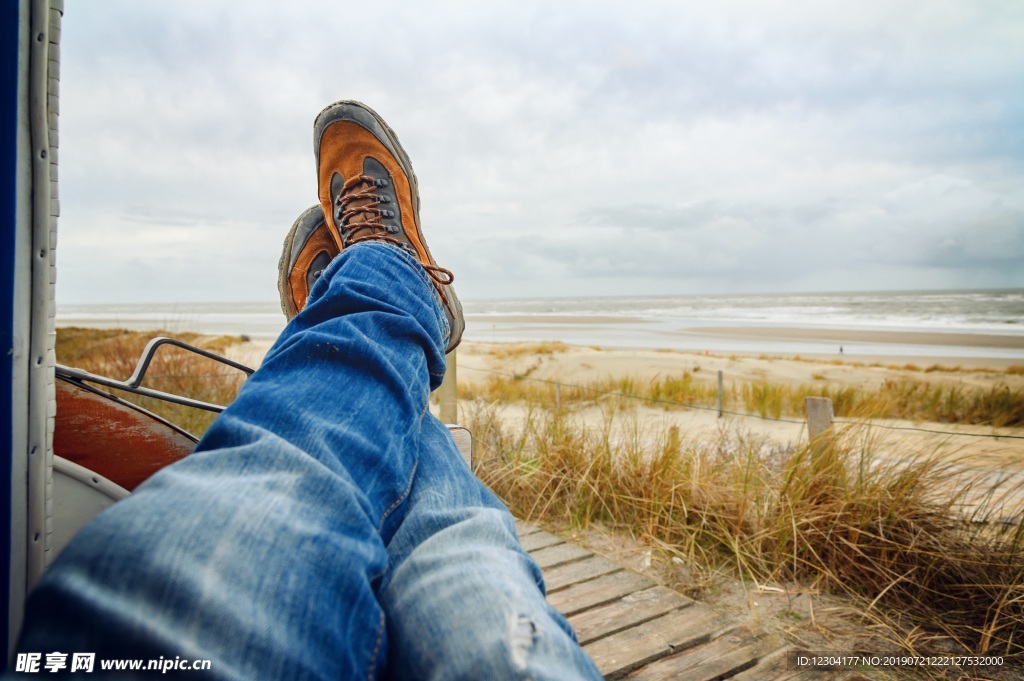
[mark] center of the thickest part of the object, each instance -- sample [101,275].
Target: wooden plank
[628,611]
[565,575]
[524,528]
[463,442]
[590,594]
[621,653]
[819,416]
[728,654]
[559,554]
[540,540]
[447,394]
[775,666]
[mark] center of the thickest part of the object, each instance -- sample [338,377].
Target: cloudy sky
[563,148]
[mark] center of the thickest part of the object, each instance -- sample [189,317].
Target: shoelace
[363,203]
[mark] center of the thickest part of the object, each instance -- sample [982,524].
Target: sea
[980,323]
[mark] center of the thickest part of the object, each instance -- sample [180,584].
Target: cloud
[938,223]
[561,147]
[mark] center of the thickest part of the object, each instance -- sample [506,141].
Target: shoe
[368,192]
[308,249]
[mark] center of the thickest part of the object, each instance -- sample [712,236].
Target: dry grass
[906,540]
[1014,369]
[997,406]
[533,349]
[915,400]
[114,353]
[892,536]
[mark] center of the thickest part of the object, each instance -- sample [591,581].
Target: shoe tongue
[337,185]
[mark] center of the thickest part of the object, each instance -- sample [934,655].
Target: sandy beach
[973,445]
[975,348]
[855,336]
[989,460]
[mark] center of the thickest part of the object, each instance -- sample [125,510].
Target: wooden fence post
[719,393]
[448,394]
[819,416]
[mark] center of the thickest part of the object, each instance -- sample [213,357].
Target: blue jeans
[325,527]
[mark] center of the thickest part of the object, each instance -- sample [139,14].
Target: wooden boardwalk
[631,626]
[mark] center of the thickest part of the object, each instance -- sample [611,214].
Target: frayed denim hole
[522,637]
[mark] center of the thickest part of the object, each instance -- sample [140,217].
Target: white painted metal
[22,308]
[79,495]
[44,21]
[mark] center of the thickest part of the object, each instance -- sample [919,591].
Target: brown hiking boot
[308,249]
[368,192]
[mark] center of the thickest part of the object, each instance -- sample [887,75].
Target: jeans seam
[400,499]
[376,648]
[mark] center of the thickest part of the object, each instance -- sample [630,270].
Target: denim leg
[463,600]
[262,550]
[325,527]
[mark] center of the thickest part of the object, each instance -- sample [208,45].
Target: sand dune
[579,365]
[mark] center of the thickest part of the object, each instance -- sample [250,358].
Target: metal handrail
[134,382]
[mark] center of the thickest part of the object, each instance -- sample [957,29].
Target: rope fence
[558,385]
[610,393]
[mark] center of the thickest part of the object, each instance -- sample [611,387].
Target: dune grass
[904,398]
[921,549]
[909,540]
[114,353]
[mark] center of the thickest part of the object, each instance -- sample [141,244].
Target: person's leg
[463,599]
[325,501]
[261,551]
